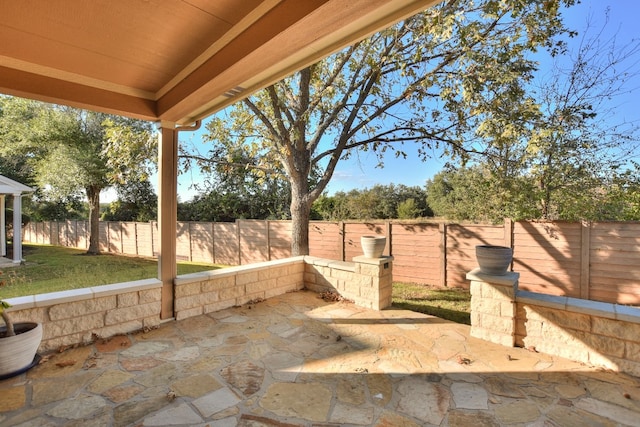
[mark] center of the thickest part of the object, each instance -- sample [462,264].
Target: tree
[73,151]
[581,142]
[569,159]
[433,79]
[379,202]
[136,201]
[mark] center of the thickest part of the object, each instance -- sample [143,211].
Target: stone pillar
[380,270]
[493,306]
[17,228]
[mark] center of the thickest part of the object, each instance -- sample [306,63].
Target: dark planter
[494,260]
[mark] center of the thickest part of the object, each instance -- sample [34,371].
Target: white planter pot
[17,352]
[373,246]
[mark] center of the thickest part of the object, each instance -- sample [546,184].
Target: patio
[296,360]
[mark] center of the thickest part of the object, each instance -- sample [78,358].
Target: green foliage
[247,198]
[568,159]
[379,202]
[437,79]
[136,202]
[73,153]
[67,208]
[408,209]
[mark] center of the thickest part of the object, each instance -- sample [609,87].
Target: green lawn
[55,268]
[446,303]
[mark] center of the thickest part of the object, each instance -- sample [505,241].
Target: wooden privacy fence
[597,261]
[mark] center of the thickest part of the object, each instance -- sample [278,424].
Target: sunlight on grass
[447,303]
[55,268]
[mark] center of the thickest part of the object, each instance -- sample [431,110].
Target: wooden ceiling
[173,60]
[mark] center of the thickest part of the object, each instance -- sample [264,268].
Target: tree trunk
[93,194]
[300,212]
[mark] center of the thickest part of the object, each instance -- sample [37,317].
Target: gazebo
[15,189]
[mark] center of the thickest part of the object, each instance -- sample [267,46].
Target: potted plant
[19,343]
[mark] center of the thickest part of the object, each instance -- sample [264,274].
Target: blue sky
[360,172]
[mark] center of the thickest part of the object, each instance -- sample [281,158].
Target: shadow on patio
[296,360]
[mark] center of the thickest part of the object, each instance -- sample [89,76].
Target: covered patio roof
[174,60]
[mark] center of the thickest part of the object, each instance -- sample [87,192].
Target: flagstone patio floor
[296,360]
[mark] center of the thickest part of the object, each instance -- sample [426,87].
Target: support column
[3,227]
[167,213]
[17,228]
[493,306]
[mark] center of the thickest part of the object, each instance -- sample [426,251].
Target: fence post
[266,223]
[387,233]
[341,230]
[238,222]
[443,254]
[585,249]
[508,232]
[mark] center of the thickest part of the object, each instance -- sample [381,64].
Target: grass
[447,303]
[55,268]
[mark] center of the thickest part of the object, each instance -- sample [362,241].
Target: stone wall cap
[593,308]
[544,300]
[373,261]
[21,303]
[185,279]
[342,265]
[124,287]
[627,313]
[53,298]
[508,279]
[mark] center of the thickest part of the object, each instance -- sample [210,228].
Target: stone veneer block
[73,325]
[128,300]
[119,315]
[187,289]
[80,308]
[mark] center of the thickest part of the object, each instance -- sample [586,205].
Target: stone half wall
[209,291]
[81,315]
[595,333]
[366,281]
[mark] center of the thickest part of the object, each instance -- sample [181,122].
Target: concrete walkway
[297,360]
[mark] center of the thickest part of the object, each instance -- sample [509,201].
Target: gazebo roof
[174,60]
[9,186]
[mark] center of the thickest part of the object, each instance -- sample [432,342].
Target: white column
[3,227]
[17,228]
[167,213]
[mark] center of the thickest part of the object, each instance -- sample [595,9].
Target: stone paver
[298,361]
